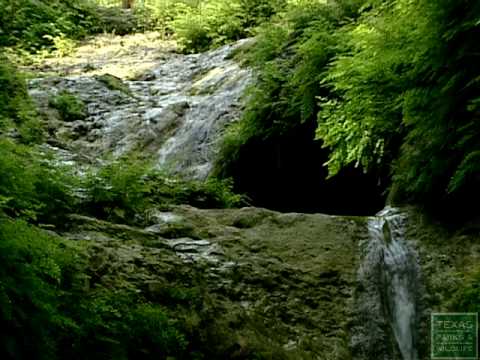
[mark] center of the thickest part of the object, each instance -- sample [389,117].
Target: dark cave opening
[286,173]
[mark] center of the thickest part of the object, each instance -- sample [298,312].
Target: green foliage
[126,188]
[62,45]
[35,24]
[409,79]
[392,84]
[200,24]
[290,56]
[31,275]
[215,22]
[368,74]
[31,186]
[149,325]
[114,83]
[467,297]
[16,109]
[212,193]
[159,14]
[69,106]
[46,312]
[118,190]
[120,325]
[13,93]
[212,22]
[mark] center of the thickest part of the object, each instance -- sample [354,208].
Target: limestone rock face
[283,283]
[286,285]
[174,114]
[449,257]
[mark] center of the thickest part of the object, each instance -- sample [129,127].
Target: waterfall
[388,292]
[175,115]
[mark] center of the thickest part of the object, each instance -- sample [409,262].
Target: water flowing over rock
[387,297]
[174,114]
[286,285]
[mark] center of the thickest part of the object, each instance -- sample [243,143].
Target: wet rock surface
[173,115]
[290,283]
[388,296]
[448,256]
[285,280]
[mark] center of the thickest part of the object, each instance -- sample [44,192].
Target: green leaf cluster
[16,109]
[47,312]
[123,190]
[392,84]
[30,186]
[69,106]
[34,24]
[405,92]
[31,276]
[290,57]
[216,22]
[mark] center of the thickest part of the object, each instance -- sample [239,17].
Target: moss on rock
[254,284]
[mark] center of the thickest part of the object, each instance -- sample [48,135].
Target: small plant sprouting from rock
[69,106]
[114,83]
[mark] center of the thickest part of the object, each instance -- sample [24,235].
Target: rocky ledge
[278,284]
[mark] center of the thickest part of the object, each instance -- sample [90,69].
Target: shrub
[31,187]
[216,22]
[290,56]
[47,313]
[114,83]
[159,14]
[126,188]
[152,331]
[16,109]
[116,324]
[405,90]
[69,106]
[118,190]
[34,24]
[62,45]
[212,193]
[31,276]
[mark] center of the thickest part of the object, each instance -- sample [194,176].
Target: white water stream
[400,271]
[388,292]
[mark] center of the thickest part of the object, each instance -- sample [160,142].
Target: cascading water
[174,115]
[388,292]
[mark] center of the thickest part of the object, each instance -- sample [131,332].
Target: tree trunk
[127,4]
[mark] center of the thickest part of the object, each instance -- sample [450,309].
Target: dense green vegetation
[384,94]
[392,84]
[35,24]
[215,22]
[405,88]
[276,136]
[196,24]
[200,24]
[69,106]
[127,188]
